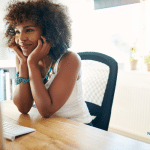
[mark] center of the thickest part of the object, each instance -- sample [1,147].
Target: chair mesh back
[94,78]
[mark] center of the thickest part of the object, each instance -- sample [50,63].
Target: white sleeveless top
[75,107]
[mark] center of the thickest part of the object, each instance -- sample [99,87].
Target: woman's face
[27,36]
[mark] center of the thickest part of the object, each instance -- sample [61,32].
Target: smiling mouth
[25,46]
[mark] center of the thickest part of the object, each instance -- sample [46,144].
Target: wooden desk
[56,133]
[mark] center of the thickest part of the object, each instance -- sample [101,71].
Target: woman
[47,73]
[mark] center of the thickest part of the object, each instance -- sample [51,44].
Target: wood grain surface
[57,133]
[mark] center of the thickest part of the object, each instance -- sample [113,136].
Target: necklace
[27,80]
[45,79]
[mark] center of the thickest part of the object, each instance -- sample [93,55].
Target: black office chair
[99,75]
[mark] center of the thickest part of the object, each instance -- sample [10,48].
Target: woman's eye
[17,32]
[29,30]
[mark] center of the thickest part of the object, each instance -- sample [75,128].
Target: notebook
[10,130]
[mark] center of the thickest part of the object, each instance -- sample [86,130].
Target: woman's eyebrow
[26,27]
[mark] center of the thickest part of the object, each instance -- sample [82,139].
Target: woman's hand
[39,52]
[17,50]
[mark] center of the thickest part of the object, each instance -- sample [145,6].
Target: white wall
[2,25]
[81,15]
[5,54]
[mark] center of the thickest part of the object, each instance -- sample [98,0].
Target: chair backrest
[99,75]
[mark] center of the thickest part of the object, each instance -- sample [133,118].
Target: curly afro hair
[52,18]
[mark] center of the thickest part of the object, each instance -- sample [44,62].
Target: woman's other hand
[17,50]
[39,52]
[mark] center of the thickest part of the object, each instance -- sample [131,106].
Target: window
[112,31]
[116,30]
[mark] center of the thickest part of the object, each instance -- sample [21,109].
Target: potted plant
[147,61]
[133,58]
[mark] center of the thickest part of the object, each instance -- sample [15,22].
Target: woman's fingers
[17,50]
[44,39]
[12,43]
[37,49]
[40,51]
[46,46]
[20,55]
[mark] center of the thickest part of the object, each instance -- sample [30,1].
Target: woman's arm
[22,97]
[48,102]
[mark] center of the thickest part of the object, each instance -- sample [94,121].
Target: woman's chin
[26,53]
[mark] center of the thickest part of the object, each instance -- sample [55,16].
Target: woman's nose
[22,37]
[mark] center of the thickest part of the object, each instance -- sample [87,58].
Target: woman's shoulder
[71,59]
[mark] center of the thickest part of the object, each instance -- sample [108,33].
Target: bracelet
[19,80]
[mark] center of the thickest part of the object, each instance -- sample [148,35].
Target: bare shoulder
[71,59]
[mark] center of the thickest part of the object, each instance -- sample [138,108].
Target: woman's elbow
[45,114]
[21,108]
